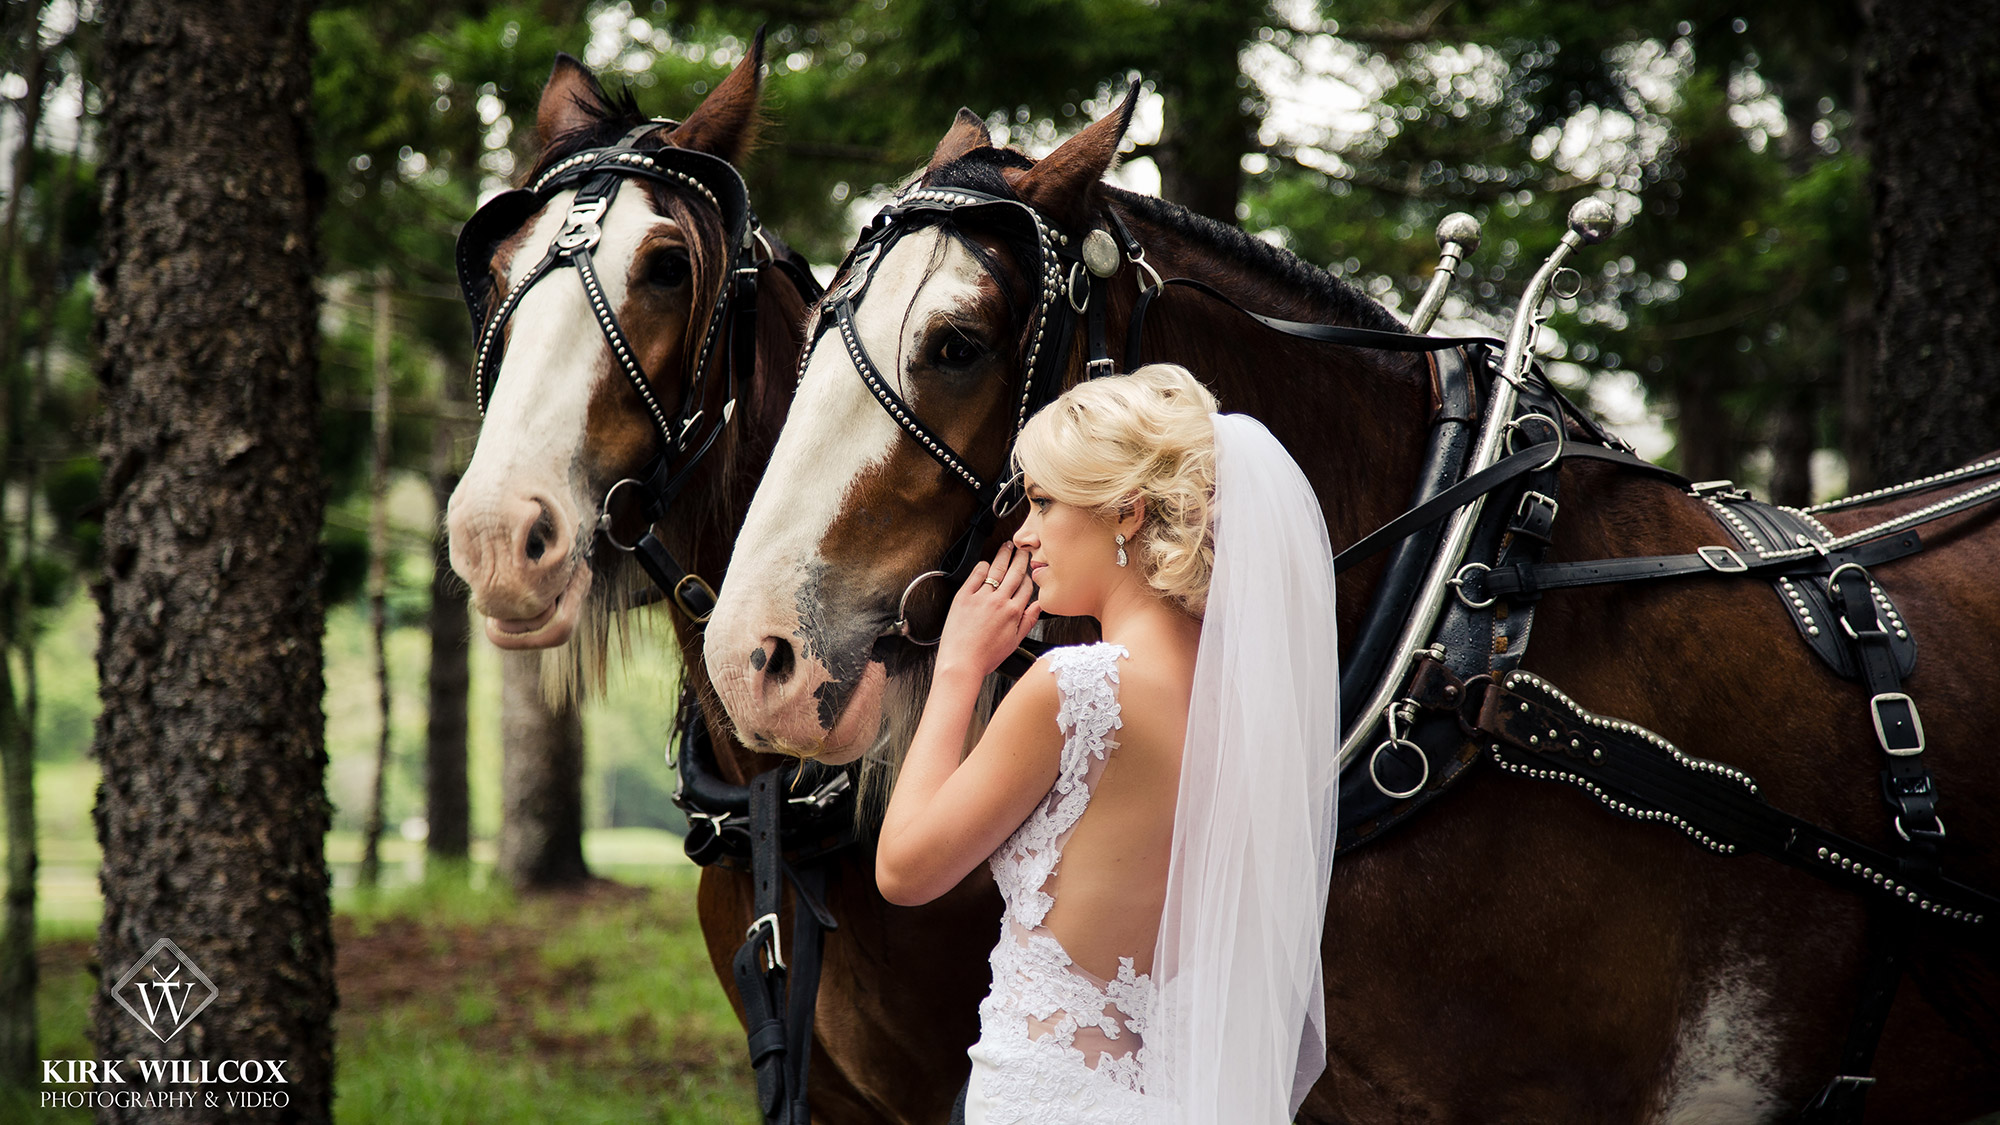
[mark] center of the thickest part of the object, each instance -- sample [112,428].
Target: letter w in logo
[170,1000]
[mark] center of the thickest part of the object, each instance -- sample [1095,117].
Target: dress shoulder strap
[1087,712]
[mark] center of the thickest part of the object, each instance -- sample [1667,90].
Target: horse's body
[899,985]
[1514,953]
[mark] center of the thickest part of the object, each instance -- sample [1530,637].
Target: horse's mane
[1283,267]
[982,169]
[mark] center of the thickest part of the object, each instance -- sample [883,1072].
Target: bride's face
[1071,555]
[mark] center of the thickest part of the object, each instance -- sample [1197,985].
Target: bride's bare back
[1111,886]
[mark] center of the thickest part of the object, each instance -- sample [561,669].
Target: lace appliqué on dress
[1063,1044]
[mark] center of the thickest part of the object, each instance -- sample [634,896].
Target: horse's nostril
[773,658]
[539,536]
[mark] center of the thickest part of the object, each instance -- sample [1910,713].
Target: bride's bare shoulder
[1154,683]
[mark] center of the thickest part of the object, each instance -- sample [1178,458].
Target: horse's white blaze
[1722,1070]
[835,435]
[531,442]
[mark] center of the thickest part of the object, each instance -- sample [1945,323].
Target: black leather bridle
[595,175]
[1066,289]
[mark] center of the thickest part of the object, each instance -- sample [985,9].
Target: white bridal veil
[1242,1036]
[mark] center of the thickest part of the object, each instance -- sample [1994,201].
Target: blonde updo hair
[1145,435]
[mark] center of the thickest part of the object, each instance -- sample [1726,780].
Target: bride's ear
[1132,515]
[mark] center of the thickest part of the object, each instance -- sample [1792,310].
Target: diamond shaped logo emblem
[165,990]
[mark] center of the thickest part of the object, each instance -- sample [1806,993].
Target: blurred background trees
[1797,299]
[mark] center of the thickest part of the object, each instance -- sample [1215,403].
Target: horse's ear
[725,123]
[968,132]
[1061,183]
[572,100]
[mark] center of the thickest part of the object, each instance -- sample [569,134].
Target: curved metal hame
[1590,221]
[1458,239]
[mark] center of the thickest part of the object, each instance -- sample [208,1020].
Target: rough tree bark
[212,812]
[541,781]
[1933,80]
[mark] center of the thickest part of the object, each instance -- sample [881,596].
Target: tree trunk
[1705,441]
[212,812]
[378,581]
[18,975]
[1205,132]
[1857,374]
[541,781]
[18,971]
[448,804]
[1792,434]
[32,105]
[1934,141]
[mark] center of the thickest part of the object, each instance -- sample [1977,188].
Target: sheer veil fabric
[1241,1033]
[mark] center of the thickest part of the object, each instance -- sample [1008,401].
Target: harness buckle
[1936,831]
[1725,489]
[1098,368]
[1897,725]
[580,230]
[775,952]
[699,604]
[826,794]
[1722,560]
[1532,497]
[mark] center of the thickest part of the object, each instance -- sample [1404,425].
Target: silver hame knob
[1461,228]
[1593,220]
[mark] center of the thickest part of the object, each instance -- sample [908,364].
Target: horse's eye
[667,269]
[957,351]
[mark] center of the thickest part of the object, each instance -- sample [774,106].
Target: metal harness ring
[1457,584]
[1405,794]
[1513,427]
[903,608]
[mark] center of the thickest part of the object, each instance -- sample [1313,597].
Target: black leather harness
[1467,698]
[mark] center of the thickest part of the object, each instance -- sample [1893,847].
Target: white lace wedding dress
[1058,1043]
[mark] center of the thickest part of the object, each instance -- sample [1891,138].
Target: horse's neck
[1354,419]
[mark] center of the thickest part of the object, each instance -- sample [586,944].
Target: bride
[1158,808]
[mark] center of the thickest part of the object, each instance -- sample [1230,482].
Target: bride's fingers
[974,580]
[1028,619]
[1016,576]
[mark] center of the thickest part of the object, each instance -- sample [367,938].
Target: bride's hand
[990,616]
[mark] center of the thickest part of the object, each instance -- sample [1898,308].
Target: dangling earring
[1121,548]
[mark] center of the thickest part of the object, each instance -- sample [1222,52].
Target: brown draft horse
[899,985]
[1515,953]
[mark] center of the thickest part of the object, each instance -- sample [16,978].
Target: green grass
[477,1006]
[465,1004]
